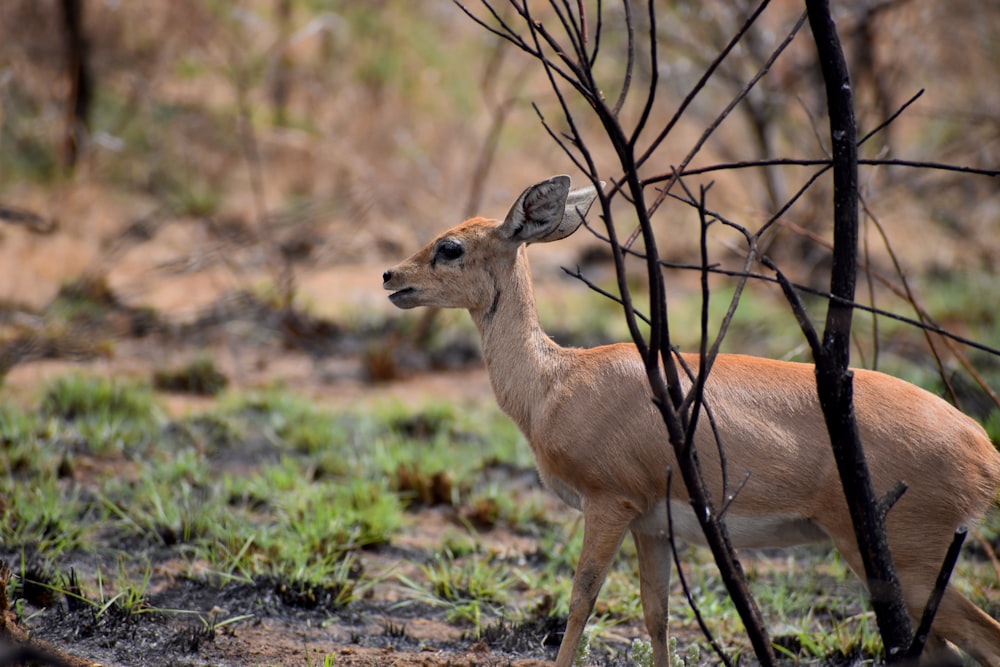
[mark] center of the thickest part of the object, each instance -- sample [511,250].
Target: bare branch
[732,105]
[688,595]
[700,84]
[792,296]
[629,62]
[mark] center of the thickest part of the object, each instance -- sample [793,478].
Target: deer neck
[522,361]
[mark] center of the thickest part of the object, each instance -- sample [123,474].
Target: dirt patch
[277,632]
[188,621]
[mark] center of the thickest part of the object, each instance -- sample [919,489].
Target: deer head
[455,270]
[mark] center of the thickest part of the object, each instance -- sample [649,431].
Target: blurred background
[222,182]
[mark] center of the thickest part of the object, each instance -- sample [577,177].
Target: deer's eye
[449,249]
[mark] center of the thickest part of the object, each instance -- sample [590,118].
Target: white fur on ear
[578,203]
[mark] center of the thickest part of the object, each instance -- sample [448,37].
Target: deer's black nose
[386,276]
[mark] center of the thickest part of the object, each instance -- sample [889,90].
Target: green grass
[269,488]
[200,376]
[473,588]
[96,461]
[106,415]
[47,516]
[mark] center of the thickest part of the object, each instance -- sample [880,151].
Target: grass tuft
[200,377]
[100,400]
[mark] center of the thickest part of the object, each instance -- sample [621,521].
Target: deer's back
[601,433]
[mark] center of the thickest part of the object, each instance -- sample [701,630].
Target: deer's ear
[548,211]
[538,212]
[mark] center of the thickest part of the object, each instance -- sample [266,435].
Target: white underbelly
[745,531]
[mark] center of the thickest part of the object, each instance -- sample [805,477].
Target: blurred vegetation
[279,138]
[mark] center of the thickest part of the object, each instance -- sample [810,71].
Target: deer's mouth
[402,297]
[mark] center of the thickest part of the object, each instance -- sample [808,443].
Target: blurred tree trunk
[281,75]
[80,82]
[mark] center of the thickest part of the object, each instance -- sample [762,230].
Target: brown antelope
[601,445]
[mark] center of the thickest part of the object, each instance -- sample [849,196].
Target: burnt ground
[185,620]
[284,627]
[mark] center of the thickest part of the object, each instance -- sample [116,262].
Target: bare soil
[282,628]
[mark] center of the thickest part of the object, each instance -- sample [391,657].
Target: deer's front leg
[604,526]
[654,586]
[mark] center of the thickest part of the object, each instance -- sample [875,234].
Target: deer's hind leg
[917,557]
[968,627]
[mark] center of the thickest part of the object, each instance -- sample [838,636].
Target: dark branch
[834,380]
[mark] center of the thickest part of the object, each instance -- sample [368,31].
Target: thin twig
[699,144]
[700,84]
[910,297]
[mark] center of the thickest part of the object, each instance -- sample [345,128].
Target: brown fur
[601,445]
